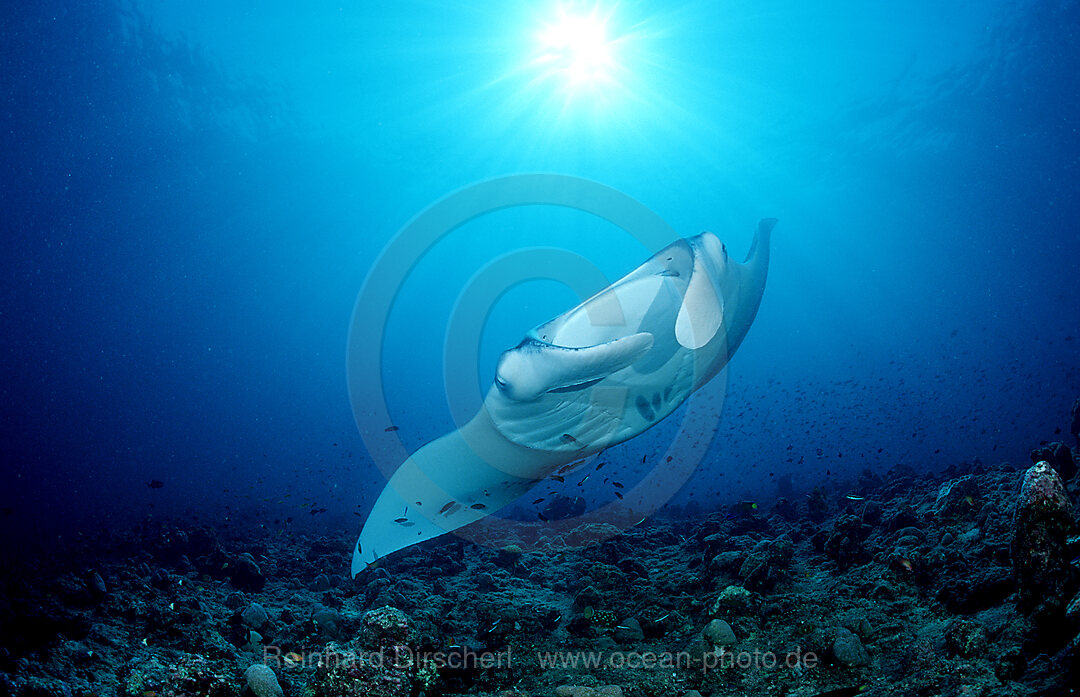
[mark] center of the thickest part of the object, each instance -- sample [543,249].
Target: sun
[576,48]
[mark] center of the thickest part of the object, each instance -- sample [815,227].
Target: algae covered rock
[342,673]
[1042,522]
[732,598]
[385,626]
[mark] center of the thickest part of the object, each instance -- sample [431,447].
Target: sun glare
[576,48]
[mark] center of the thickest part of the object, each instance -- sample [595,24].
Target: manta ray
[597,375]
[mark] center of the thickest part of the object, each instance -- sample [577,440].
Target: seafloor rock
[327,621]
[194,675]
[848,649]
[957,498]
[508,556]
[262,681]
[719,633]
[982,587]
[246,574]
[966,638]
[628,631]
[342,673]
[1075,427]
[255,616]
[734,598]
[1059,456]
[817,505]
[1043,519]
[385,626]
[583,691]
[766,564]
[845,544]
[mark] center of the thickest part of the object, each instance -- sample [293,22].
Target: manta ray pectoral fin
[702,310]
[534,368]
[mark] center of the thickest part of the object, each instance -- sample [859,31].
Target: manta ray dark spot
[644,409]
[656,401]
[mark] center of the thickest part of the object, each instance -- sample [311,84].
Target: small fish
[478,506]
[390,429]
[618,495]
[541,517]
[618,485]
[155,484]
[566,468]
[567,438]
[447,507]
[401,520]
[539,500]
[558,478]
[853,497]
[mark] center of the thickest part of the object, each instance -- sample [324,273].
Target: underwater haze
[193,196]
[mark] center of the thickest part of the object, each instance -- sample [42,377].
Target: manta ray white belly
[595,376]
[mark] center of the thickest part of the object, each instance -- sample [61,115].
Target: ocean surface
[193,195]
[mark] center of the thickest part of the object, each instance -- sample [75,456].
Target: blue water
[192,199]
